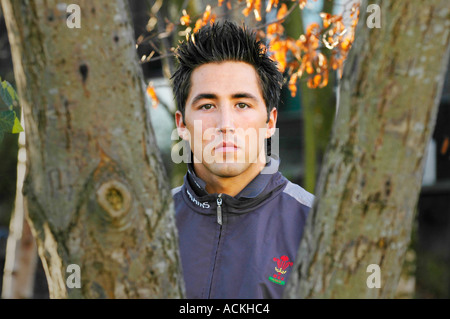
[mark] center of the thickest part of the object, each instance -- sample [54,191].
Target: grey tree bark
[372,171]
[96,192]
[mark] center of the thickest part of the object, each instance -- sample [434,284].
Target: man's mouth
[226,147]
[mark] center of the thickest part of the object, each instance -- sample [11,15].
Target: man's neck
[228,185]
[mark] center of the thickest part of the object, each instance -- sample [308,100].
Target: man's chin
[227,169]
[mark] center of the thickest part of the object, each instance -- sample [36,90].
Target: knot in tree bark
[114,197]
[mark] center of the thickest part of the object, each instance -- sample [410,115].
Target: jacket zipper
[219,209]
[219,221]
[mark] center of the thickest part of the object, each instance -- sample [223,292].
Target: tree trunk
[96,191]
[372,171]
[21,251]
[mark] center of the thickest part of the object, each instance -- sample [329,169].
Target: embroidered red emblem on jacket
[282,264]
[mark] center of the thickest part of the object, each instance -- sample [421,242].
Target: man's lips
[226,147]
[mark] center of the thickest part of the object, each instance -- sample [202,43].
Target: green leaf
[17,128]
[8,94]
[7,121]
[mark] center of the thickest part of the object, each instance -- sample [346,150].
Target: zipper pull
[219,209]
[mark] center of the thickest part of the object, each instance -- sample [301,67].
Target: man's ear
[272,123]
[181,127]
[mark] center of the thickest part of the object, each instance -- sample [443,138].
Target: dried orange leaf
[282,11]
[185,18]
[152,94]
[293,84]
[272,3]
[198,25]
[445,145]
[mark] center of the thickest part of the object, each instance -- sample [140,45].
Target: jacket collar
[252,190]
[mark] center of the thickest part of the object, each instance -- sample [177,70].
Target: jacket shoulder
[176,190]
[299,193]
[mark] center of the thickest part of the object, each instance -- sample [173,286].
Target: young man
[239,220]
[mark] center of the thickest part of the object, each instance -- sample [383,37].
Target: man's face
[226,118]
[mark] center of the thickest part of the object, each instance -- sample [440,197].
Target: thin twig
[291,9]
[160,57]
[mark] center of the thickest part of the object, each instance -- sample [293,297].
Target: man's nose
[226,120]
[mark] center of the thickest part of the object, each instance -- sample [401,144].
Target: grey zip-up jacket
[242,246]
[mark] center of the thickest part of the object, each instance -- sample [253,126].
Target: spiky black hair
[220,42]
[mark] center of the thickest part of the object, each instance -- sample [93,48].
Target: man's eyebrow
[201,96]
[212,96]
[244,95]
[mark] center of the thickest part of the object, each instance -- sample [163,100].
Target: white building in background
[429,172]
[162,116]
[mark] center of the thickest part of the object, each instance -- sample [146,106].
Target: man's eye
[206,106]
[242,105]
